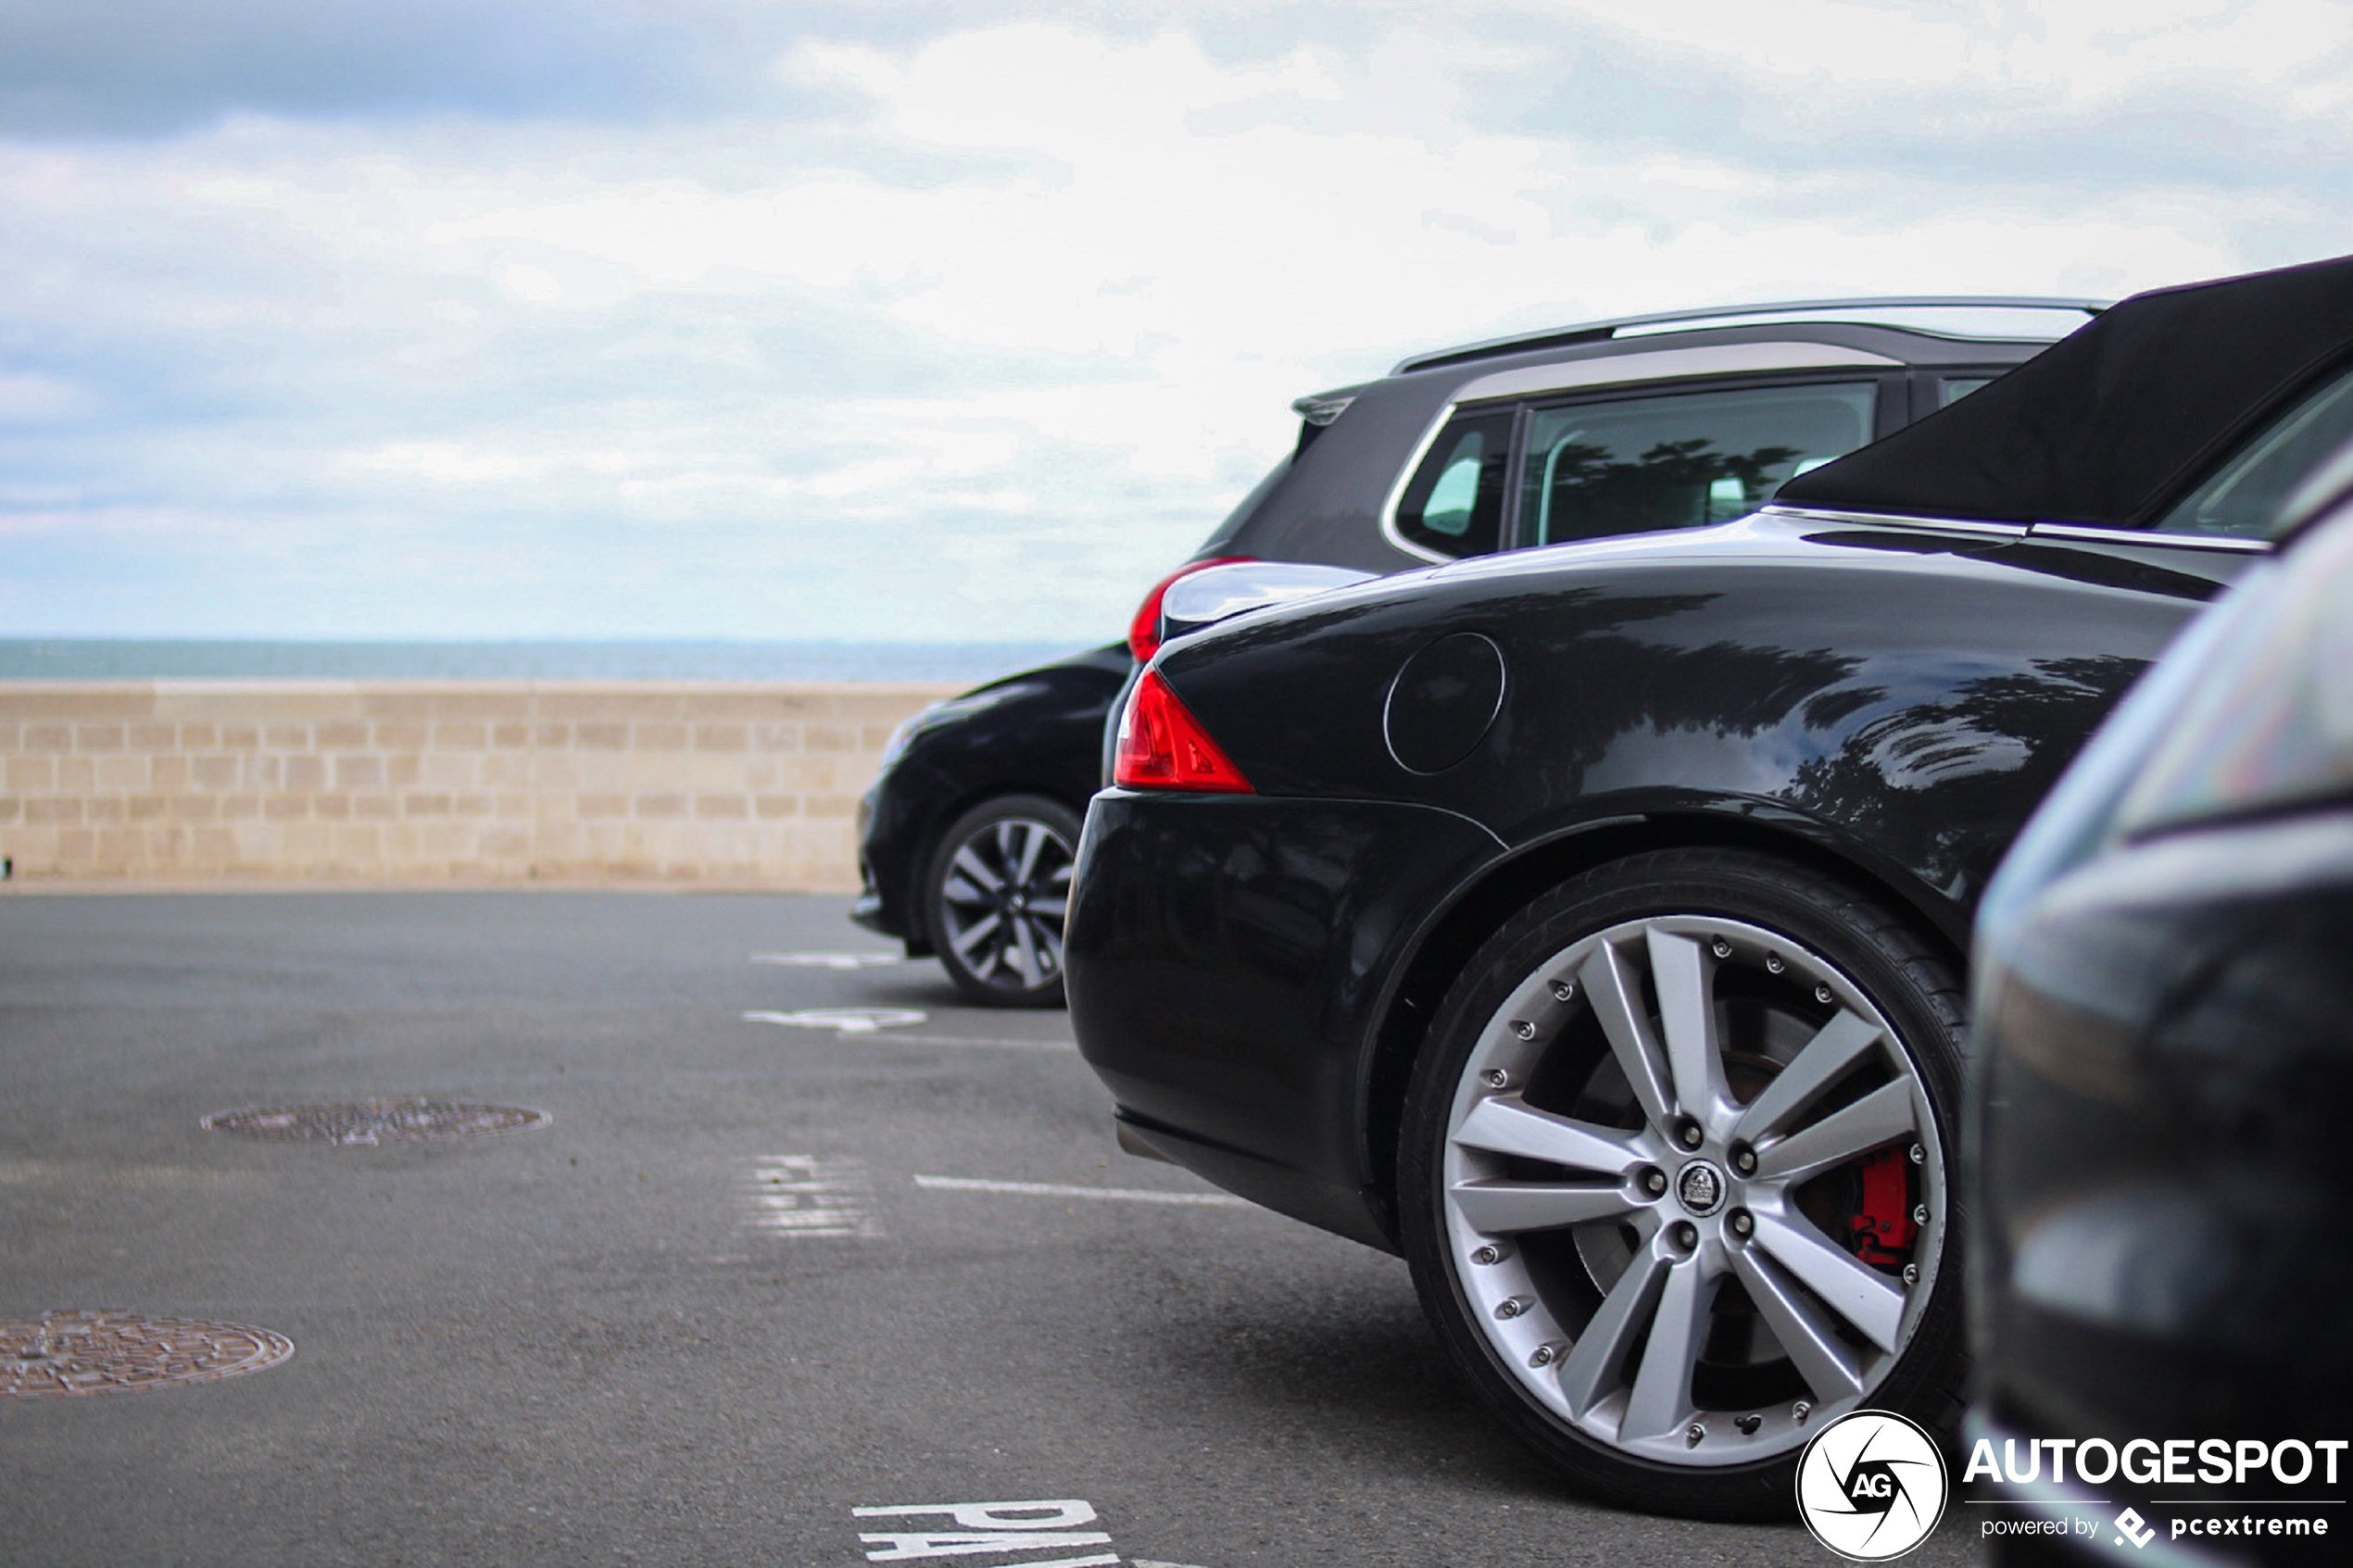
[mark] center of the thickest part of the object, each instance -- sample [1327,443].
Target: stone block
[32,775]
[98,737]
[720,806]
[121,774]
[401,734]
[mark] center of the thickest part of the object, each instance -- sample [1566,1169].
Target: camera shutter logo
[1871,1486]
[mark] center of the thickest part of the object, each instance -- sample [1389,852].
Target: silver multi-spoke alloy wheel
[1000,886]
[1648,1246]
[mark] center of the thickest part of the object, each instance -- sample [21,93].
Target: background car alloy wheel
[998,887]
[1675,1179]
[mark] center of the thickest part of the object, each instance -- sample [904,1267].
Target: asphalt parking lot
[752,1276]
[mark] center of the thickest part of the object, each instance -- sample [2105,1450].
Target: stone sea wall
[439,783]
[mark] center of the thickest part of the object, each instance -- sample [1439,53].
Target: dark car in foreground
[2162,1094]
[1588,924]
[1610,428]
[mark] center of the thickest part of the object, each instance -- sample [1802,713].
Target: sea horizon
[244,658]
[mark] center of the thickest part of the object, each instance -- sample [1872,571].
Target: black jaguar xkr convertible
[1588,924]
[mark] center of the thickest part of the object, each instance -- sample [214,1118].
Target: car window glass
[1641,464]
[1954,388]
[2244,497]
[1454,502]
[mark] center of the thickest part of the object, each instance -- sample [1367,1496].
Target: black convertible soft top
[2110,424]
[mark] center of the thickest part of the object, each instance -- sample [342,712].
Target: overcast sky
[723,317]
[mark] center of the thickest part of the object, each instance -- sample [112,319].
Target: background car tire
[994,897]
[1785,960]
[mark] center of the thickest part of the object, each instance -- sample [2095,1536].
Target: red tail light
[1162,746]
[1143,631]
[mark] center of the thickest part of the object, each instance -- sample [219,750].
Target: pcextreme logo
[1871,1486]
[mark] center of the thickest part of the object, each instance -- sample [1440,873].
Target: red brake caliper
[1883,1222]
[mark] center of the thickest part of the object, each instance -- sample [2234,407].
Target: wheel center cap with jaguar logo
[1700,1189]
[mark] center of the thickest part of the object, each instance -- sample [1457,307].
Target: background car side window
[1454,502]
[1638,465]
[2243,498]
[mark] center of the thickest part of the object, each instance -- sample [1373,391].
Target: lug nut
[1773,965]
[1689,1134]
[1920,1155]
[1919,1214]
[1720,948]
[1497,1078]
[1564,990]
[1523,1029]
[1685,1235]
[1653,1181]
[1544,1355]
[1749,1423]
[1744,1161]
[1510,1307]
[1742,1223]
[1800,1410]
[1693,1434]
[1911,1273]
[1491,1253]
[1821,993]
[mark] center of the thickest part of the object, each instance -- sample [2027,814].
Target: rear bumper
[1228,962]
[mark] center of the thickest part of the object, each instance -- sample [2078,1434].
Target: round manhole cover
[62,1355]
[372,1120]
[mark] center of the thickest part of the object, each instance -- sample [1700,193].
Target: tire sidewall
[1004,808]
[1914,988]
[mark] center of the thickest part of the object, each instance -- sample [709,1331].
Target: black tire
[1771,952]
[1001,944]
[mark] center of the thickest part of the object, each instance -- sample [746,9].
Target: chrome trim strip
[1662,364]
[1896,519]
[1397,494]
[2091,535]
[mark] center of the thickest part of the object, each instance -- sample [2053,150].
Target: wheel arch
[1485,903]
[946,815]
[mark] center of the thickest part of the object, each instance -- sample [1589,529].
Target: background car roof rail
[1601,332]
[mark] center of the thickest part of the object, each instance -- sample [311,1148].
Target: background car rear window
[1454,502]
[1638,465]
[2244,498]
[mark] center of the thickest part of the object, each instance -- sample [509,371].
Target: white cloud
[988,346]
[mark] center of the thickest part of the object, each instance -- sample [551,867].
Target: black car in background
[2163,1090]
[1612,428]
[1587,924]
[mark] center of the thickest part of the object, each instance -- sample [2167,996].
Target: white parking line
[844,1020]
[871,1023]
[1051,1189]
[827,961]
[810,1195]
[976,1040]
